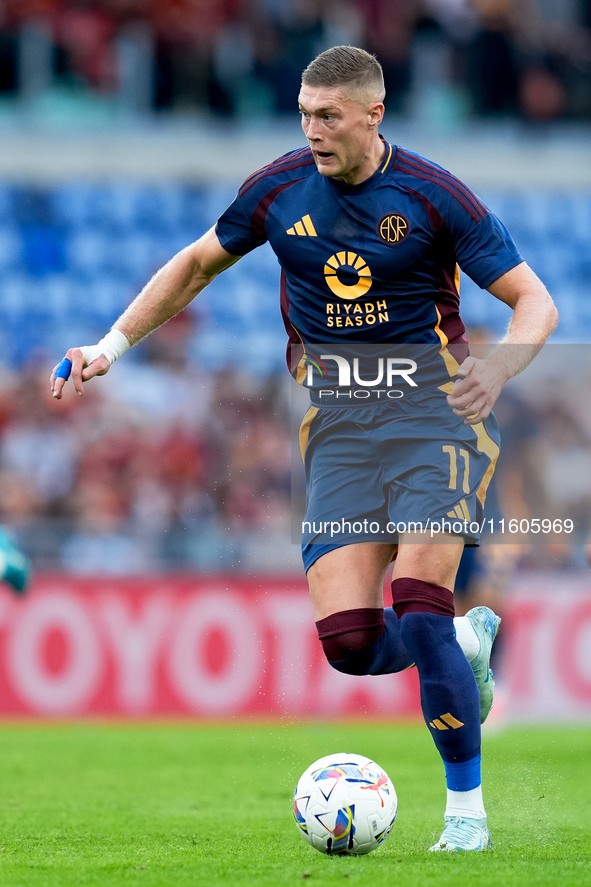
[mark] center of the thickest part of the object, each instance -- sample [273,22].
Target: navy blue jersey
[375,262]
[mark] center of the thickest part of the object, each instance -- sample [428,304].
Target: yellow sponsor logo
[341,314]
[350,262]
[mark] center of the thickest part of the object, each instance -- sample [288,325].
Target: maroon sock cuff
[416,596]
[350,632]
[350,620]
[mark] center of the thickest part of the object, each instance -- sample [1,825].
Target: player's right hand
[80,371]
[476,390]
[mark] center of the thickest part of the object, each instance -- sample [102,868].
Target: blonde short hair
[347,66]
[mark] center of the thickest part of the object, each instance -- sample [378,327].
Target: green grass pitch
[180,804]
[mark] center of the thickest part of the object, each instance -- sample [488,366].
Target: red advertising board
[547,635]
[228,646]
[199,647]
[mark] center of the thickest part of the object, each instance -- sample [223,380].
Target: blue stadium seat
[11,247]
[76,203]
[6,204]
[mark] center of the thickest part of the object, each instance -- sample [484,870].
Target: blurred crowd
[160,466]
[525,58]
[164,465]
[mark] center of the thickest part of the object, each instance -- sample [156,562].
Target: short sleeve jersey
[375,262]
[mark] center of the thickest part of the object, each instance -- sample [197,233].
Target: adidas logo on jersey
[304,228]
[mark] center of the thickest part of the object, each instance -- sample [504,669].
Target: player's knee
[348,636]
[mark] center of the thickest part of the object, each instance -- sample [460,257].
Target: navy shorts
[376,470]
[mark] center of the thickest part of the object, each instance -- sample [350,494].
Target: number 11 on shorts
[453,452]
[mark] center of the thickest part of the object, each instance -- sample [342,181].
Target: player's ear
[376,113]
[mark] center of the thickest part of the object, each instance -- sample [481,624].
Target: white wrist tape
[113,345]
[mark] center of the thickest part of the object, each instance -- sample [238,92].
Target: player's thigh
[349,577]
[343,485]
[435,562]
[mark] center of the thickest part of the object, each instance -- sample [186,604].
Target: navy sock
[449,695]
[386,655]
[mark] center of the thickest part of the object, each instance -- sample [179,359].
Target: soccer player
[369,236]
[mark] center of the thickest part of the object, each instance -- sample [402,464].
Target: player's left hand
[475,391]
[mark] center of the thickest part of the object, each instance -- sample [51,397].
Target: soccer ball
[345,805]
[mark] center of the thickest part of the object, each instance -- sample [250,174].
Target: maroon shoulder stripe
[428,178]
[269,172]
[288,164]
[259,215]
[419,163]
[294,155]
[453,185]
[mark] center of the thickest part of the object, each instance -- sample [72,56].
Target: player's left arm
[534,318]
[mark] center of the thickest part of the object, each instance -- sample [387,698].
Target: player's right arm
[171,289]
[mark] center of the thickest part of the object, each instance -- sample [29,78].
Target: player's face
[342,132]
